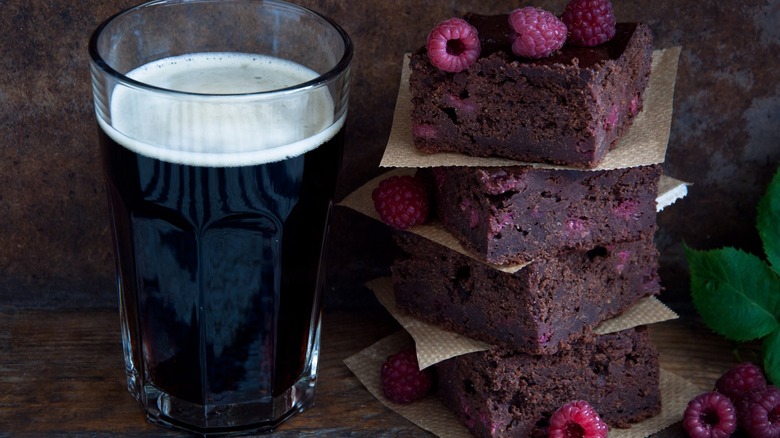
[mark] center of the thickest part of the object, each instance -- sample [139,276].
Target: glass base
[228,419]
[261,416]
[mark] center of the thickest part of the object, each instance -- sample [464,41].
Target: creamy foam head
[221,125]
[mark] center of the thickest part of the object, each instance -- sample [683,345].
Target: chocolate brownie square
[539,309]
[517,214]
[497,393]
[569,108]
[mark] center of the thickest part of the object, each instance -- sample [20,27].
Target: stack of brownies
[556,248]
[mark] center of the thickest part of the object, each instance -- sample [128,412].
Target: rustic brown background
[54,236]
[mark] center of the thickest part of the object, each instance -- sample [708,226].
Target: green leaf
[771,348]
[768,222]
[735,293]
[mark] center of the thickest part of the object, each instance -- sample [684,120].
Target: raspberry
[577,419]
[710,415]
[759,413]
[402,380]
[590,22]
[401,201]
[740,380]
[453,45]
[537,33]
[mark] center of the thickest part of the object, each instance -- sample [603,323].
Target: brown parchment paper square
[431,414]
[644,143]
[669,191]
[435,345]
[360,201]
[428,413]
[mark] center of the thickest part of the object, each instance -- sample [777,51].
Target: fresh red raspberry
[453,45]
[401,201]
[590,22]
[402,380]
[537,33]
[710,415]
[577,419]
[758,413]
[740,380]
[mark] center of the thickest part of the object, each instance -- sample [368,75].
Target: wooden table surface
[61,373]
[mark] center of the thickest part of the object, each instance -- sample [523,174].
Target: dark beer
[219,235]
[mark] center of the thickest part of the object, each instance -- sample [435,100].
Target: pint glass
[220,127]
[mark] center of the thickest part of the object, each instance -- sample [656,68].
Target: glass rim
[97,61]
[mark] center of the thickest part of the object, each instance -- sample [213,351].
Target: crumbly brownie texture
[517,214]
[540,309]
[497,393]
[569,108]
